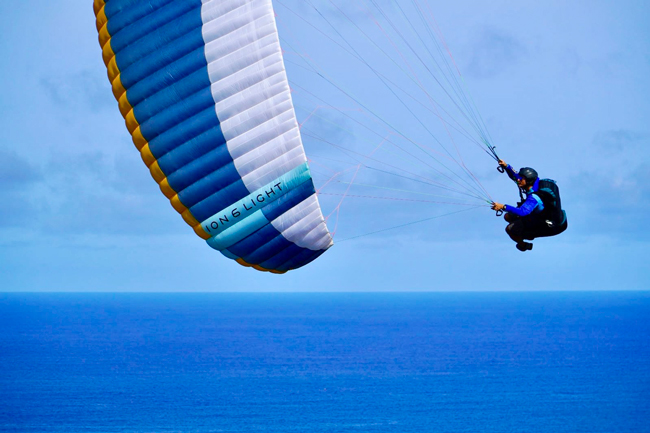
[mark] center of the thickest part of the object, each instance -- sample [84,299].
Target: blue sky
[562,86]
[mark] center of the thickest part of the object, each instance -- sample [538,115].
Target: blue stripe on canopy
[162,36]
[147,16]
[184,88]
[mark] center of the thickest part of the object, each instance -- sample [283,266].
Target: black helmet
[529,174]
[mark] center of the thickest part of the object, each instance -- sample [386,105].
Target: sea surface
[376,362]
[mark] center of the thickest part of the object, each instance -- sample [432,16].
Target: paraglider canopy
[204,93]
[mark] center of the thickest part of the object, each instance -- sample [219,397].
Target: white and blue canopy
[204,92]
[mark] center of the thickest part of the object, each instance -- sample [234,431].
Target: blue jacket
[532,205]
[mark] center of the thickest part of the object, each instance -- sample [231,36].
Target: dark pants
[528,228]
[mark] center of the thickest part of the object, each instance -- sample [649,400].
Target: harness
[549,193]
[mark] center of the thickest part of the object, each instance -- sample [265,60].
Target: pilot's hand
[502,163]
[498,206]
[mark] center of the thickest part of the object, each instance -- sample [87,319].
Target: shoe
[524,246]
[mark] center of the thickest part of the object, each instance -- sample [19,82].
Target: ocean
[318,362]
